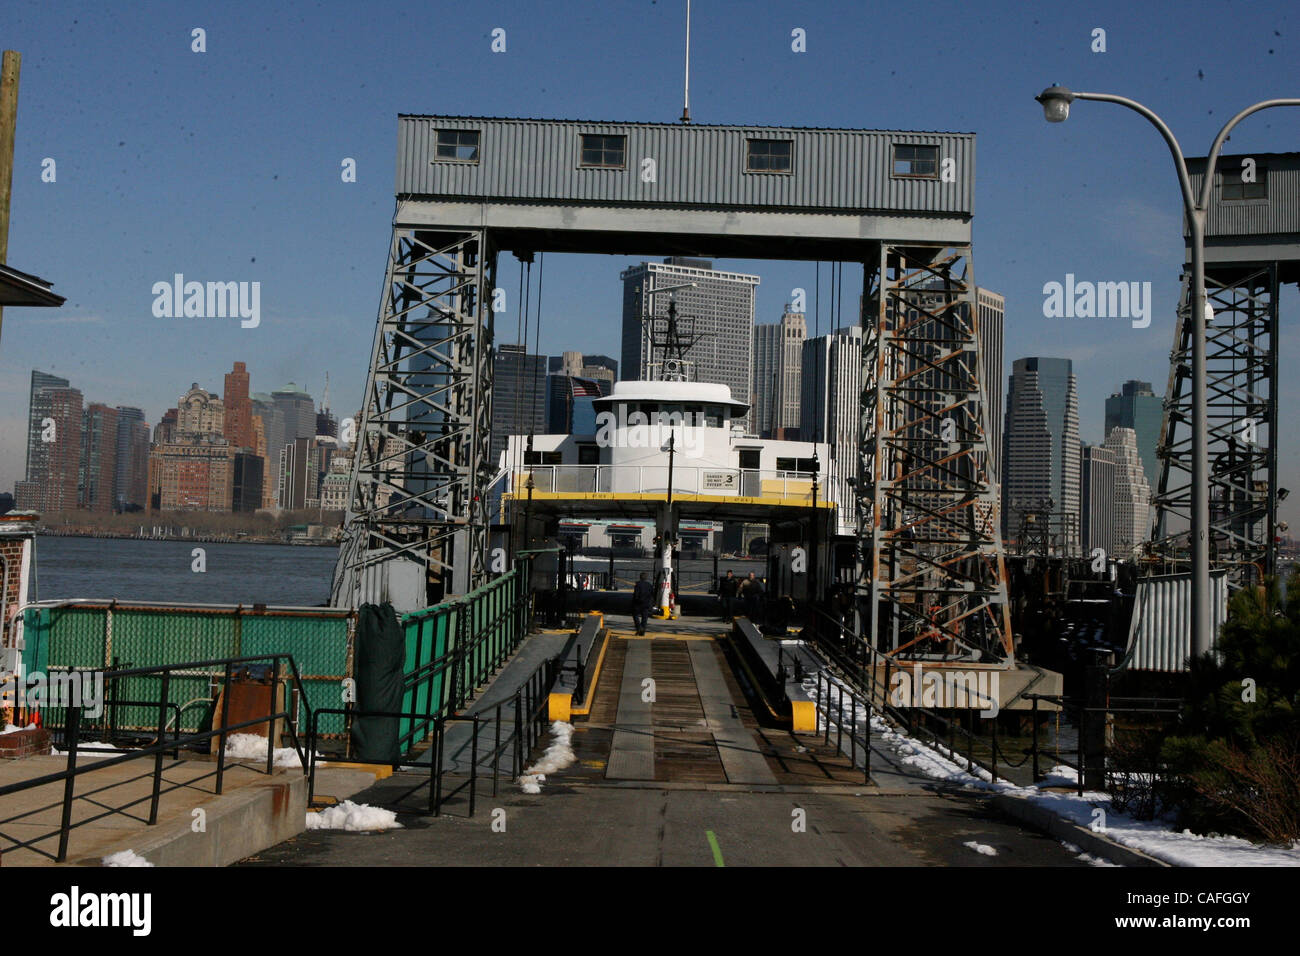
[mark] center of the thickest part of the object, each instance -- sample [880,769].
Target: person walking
[727,589]
[643,599]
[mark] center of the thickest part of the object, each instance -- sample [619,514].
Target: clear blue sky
[225,165]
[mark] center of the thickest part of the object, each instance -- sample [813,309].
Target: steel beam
[1241,386]
[420,470]
[935,581]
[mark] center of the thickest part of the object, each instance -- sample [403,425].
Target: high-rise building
[519,396]
[600,367]
[326,424]
[97,469]
[1131,524]
[831,389]
[239,407]
[298,475]
[191,475]
[299,410]
[131,482]
[778,375]
[1137,407]
[716,315]
[1096,497]
[54,458]
[1040,447]
[990,311]
[246,481]
[40,382]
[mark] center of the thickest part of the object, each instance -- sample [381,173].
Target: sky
[224,165]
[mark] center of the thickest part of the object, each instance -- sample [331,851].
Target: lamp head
[1056,102]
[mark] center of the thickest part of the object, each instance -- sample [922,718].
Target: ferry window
[543,458]
[608,152]
[588,455]
[1231,186]
[749,458]
[769,156]
[921,162]
[458,145]
[713,416]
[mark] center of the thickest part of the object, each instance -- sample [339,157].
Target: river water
[132,569]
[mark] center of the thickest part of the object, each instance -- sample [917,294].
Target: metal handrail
[72,727]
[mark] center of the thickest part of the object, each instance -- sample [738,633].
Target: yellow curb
[560,707]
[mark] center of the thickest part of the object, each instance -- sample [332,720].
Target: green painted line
[713,844]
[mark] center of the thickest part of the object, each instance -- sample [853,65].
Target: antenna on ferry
[686,103]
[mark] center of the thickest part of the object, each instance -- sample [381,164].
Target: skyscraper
[130,484]
[778,374]
[54,457]
[991,308]
[299,411]
[831,390]
[1096,497]
[1040,446]
[239,407]
[97,470]
[1131,524]
[717,313]
[519,396]
[1137,407]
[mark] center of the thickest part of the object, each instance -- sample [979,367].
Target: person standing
[643,599]
[754,599]
[727,589]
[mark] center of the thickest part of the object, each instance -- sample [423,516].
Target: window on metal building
[607,152]
[920,162]
[769,156]
[1232,186]
[457,145]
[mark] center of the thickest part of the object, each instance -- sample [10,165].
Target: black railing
[71,737]
[1091,764]
[531,701]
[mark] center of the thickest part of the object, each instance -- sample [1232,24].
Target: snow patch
[253,747]
[352,816]
[982,848]
[125,858]
[558,756]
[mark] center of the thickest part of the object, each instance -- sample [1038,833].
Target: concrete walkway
[187,786]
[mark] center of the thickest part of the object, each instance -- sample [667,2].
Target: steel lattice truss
[1241,376]
[421,468]
[929,534]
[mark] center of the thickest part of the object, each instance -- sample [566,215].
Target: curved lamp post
[1056,102]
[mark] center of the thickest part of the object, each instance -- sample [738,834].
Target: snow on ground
[125,858]
[557,757]
[14,728]
[253,747]
[983,848]
[351,816]
[1156,838]
[1086,857]
[83,748]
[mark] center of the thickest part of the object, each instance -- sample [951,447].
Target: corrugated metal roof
[696,166]
[744,126]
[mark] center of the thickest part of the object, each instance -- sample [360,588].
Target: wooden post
[9,69]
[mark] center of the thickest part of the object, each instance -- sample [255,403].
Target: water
[142,570]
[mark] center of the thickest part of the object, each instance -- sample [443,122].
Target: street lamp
[1056,102]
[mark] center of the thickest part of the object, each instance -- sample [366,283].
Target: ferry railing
[793,486]
[70,737]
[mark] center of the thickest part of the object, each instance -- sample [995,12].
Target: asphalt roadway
[657,825]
